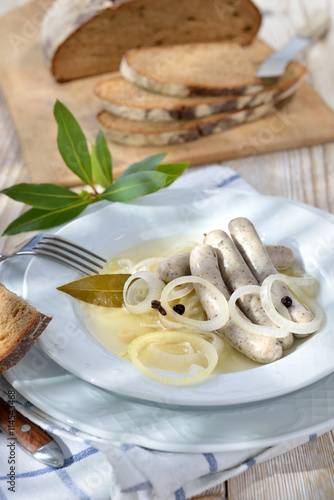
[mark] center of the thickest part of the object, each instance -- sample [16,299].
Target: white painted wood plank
[306,473]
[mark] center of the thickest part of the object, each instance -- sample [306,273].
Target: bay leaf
[99,289]
[72,143]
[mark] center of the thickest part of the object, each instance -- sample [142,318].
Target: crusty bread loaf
[214,69]
[80,38]
[20,326]
[134,133]
[126,100]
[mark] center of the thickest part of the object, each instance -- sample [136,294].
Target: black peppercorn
[179,308]
[286,301]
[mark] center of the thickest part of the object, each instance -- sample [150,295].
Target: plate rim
[144,438]
[191,403]
[10,376]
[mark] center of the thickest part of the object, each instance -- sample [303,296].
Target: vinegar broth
[115,328]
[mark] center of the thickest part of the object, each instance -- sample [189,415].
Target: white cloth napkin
[96,469]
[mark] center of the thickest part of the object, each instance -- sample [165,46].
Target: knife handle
[27,434]
[316,27]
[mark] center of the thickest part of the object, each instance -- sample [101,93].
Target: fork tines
[67,252]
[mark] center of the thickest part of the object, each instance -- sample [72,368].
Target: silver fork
[61,250]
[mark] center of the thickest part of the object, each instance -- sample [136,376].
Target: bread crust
[152,84]
[126,100]
[37,327]
[81,38]
[198,69]
[20,326]
[147,134]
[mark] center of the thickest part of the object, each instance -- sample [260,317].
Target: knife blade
[274,66]
[29,436]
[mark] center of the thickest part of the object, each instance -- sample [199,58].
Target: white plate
[96,411]
[120,226]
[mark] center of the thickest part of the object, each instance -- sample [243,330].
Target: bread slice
[20,326]
[215,69]
[126,100]
[134,133]
[80,38]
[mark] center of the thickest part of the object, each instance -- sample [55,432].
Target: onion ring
[294,284]
[207,325]
[154,289]
[176,337]
[244,323]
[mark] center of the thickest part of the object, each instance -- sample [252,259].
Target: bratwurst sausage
[236,274]
[259,348]
[174,267]
[178,265]
[282,257]
[256,257]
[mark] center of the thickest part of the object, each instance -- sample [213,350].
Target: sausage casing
[256,256]
[174,267]
[282,257]
[204,263]
[236,274]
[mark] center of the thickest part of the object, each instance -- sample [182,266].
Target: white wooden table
[305,175]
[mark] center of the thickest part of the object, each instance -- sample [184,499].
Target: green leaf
[135,185]
[96,169]
[102,161]
[36,219]
[149,163]
[172,171]
[100,289]
[54,205]
[44,196]
[72,144]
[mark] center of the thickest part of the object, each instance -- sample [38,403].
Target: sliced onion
[244,323]
[127,335]
[294,285]
[179,247]
[170,324]
[137,291]
[196,342]
[174,361]
[182,292]
[149,264]
[208,325]
[154,288]
[125,265]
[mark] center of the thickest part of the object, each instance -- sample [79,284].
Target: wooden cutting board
[31,92]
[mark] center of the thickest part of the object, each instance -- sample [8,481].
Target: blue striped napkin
[99,470]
